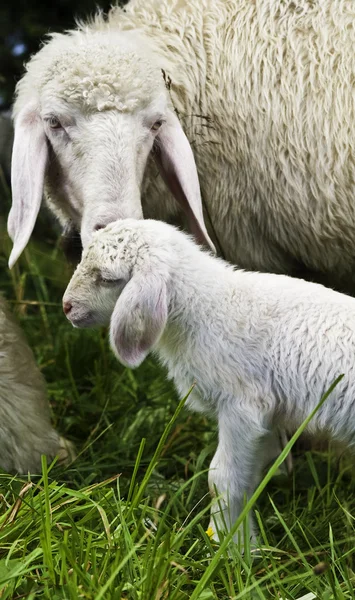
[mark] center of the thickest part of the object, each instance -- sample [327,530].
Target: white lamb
[25,427]
[262,348]
[264,91]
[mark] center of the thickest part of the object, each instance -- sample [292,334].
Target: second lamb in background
[261,348]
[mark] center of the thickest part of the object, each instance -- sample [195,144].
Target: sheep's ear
[29,159]
[139,318]
[178,168]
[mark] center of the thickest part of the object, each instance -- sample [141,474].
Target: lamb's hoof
[66,452]
[235,543]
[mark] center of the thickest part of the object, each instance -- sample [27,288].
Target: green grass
[127,519]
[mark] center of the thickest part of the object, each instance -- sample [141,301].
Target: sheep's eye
[54,123]
[157,125]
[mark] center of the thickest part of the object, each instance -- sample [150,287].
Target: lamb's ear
[139,318]
[178,168]
[29,159]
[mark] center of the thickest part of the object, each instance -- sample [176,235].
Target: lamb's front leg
[235,469]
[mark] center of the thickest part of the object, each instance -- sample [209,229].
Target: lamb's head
[89,111]
[123,277]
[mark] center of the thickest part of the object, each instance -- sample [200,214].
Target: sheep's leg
[235,471]
[66,451]
[272,448]
[288,460]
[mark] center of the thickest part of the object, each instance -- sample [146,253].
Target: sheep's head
[89,110]
[122,278]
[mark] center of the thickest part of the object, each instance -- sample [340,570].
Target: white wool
[265,94]
[25,428]
[83,70]
[261,348]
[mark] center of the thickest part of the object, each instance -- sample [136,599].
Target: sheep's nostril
[67,306]
[99,226]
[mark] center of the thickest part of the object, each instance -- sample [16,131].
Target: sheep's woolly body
[265,93]
[25,428]
[261,348]
[276,79]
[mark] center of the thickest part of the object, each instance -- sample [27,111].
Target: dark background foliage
[24,24]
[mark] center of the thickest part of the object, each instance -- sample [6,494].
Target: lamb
[261,348]
[264,93]
[25,428]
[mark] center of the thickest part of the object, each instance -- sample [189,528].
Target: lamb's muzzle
[67,307]
[261,348]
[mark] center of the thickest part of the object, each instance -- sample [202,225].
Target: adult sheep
[25,428]
[265,94]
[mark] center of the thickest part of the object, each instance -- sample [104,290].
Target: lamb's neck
[198,285]
[201,293]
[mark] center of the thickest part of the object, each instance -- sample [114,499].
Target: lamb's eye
[108,281]
[54,123]
[157,125]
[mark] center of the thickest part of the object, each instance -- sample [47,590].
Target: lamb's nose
[67,306]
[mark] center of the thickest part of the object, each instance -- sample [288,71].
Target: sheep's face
[102,107]
[89,111]
[98,161]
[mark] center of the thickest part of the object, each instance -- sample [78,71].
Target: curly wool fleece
[275,80]
[101,76]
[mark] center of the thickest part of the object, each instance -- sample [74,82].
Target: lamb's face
[123,278]
[105,269]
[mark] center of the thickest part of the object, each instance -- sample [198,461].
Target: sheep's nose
[67,306]
[99,226]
